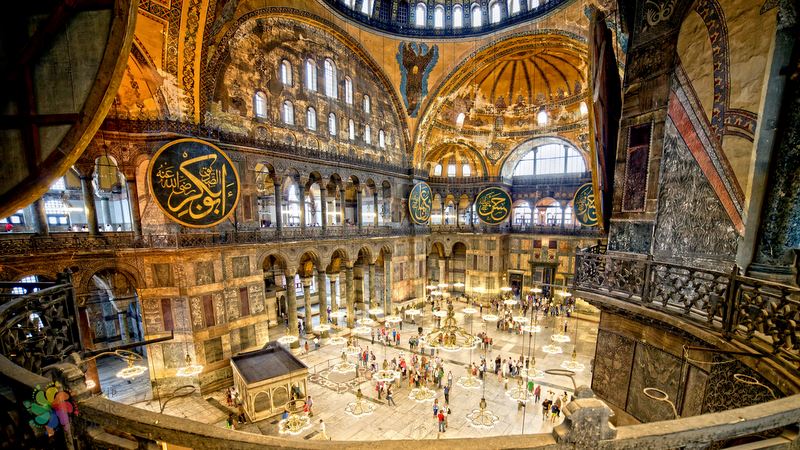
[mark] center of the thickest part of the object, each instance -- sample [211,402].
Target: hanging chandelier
[449,336]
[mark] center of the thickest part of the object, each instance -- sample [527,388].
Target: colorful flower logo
[50,407]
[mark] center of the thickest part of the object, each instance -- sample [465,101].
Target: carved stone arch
[82,278]
[438,246]
[314,259]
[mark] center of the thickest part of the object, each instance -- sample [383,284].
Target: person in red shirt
[441,421]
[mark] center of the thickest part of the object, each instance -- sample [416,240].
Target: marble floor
[411,419]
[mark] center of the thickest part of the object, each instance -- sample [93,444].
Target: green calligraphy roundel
[193,182]
[584,205]
[419,203]
[493,205]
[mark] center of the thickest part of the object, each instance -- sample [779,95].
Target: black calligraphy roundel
[493,205]
[193,182]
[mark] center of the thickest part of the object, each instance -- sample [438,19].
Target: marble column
[39,213]
[291,305]
[322,295]
[446,277]
[350,297]
[359,209]
[343,206]
[88,201]
[124,331]
[133,199]
[278,213]
[106,202]
[307,300]
[301,193]
[387,283]
[323,205]
[375,209]
[372,288]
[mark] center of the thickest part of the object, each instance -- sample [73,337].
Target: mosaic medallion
[419,203]
[584,205]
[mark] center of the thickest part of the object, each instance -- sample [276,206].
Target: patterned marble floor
[411,419]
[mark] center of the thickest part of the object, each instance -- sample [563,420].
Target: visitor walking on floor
[322,431]
[447,394]
[440,416]
[389,397]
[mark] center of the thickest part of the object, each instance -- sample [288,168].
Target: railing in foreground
[764,315]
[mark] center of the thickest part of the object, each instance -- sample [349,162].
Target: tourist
[447,394]
[440,416]
[316,343]
[285,415]
[309,405]
[545,409]
[322,431]
[537,393]
[389,396]
[435,407]
[450,379]
[306,347]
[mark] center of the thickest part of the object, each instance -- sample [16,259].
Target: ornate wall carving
[692,224]
[657,369]
[631,237]
[612,367]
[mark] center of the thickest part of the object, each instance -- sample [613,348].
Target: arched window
[533,4]
[451,170]
[550,159]
[460,119]
[286,73]
[513,7]
[494,12]
[330,79]
[348,90]
[367,136]
[332,124]
[260,104]
[522,213]
[351,130]
[381,139]
[367,106]
[458,16]
[437,170]
[419,15]
[367,7]
[350,3]
[476,16]
[438,17]
[287,113]
[311,75]
[466,170]
[311,118]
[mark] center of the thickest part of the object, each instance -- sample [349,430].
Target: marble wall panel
[612,367]
[694,393]
[657,369]
[197,312]
[204,272]
[219,308]
[232,303]
[151,315]
[630,237]
[255,294]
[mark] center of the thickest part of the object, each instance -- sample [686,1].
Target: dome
[456,19]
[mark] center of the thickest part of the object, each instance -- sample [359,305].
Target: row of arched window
[331,82]
[466,170]
[288,118]
[420,12]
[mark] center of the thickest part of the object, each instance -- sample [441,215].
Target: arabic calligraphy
[420,202]
[194,183]
[584,205]
[493,205]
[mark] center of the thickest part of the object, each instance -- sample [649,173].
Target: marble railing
[27,243]
[762,315]
[103,423]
